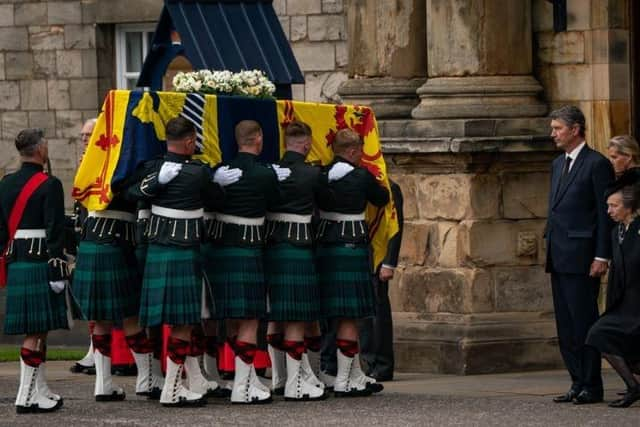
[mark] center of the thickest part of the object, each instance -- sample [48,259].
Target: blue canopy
[230,35]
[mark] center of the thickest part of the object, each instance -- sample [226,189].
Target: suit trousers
[575,300]
[376,335]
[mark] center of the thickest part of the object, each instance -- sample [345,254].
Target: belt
[287,217]
[239,220]
[335,216]
[39,233]
[144,213]
[177,213]
[209,215]
[109,214]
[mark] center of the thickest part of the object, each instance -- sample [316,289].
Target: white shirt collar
[574,154]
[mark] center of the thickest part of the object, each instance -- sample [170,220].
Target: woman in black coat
[617,333]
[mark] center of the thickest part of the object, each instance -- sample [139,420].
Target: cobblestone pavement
[413,399]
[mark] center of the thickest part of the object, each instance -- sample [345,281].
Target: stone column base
[476,343]
[388,97]
[479,97]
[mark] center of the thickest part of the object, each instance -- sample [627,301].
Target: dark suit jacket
[393,248]
[578,227]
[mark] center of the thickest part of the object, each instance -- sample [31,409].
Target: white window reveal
[133,42]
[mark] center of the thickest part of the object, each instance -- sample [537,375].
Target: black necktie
[567,165]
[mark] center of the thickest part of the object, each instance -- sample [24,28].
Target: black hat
[28,137]
[630,177]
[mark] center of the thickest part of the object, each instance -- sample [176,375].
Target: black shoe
[630,397]
[567,397]
[113,397]
[35,409]
[587,397]
[354,393]
[82,369]
[381,377]
[184,403]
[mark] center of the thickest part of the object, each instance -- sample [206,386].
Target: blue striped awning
[230,35]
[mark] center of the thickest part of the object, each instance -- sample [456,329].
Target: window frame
[122,75]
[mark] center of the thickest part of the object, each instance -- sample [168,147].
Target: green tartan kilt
[237,278]
[141,256]
[106,282]
[292,283]
[172,286]
[346,285]
[31,306]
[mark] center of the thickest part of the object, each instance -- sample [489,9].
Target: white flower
[247,82]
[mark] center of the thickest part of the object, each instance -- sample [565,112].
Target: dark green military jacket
[348,196]
[247,198]
[44,210]
[192,189]
[296,196]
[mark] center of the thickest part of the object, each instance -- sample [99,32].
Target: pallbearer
[32,239]
[107,284]
[343,256]
[174,289]
[292,280]
[238,236]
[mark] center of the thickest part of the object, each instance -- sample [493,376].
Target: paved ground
[413,399]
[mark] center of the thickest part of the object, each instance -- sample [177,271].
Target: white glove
[58,286]
[339,170]
[283,173]
[168,171]
[225,176]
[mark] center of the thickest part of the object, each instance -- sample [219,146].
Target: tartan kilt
[172,286]
[141,256]
[346,285]
[31,306]
[292,283]
[106,282]
[237,278]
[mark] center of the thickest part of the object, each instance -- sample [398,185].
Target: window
[132,44]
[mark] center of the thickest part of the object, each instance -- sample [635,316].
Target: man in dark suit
[376,334]
[578,249]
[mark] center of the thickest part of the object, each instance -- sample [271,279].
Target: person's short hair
[297,129]
[246,131]
[297,132]
[345,139]
[28,140]
[179,128]
[571,116]
[627,145]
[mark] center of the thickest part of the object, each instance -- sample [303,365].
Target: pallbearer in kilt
[238,237]
[107,284]
[37,275]
[292,280]
[343,256]
[174,288]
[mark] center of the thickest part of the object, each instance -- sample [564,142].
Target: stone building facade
[461,90]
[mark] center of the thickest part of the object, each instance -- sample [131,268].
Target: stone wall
[587,65]
[48,77]
[317,32]
[470,294]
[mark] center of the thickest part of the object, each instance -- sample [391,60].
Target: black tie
[567,165]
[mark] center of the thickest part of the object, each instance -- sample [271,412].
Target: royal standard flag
[130,130]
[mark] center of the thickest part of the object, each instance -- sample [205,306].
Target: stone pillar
[479,61]
[471,294]
[386,55]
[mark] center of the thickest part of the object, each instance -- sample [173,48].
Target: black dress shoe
[630,397]
[567,397]
[587,397]
[381,377]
